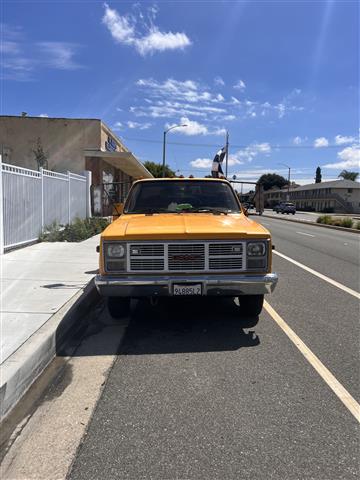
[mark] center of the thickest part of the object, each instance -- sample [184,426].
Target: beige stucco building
[71,144]
[339,196]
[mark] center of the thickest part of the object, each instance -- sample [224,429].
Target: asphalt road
[191,389]
[198,392]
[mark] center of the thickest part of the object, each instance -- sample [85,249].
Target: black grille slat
[225,263]
[234,249]
[149,264]
[155,250]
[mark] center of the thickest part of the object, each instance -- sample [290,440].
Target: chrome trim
[206,270]
[152,285]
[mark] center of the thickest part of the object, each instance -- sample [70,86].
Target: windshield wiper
[215,211]
[150,211]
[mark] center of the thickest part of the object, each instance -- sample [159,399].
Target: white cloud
[240,85]
[235,101]
[219,81]
[321,142]
[43,115]
[123,30]
[349,156]
[139,126]
[297,140]
[201,163]
[187,90]
[9,47]
[195,128]
[21,59]
[206,163]
[59,55]
[343,140]
[249,153]
[192,128]
[229,118]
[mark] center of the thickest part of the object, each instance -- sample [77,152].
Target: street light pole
[288,189]
[164,146]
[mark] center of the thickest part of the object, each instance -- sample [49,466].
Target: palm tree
[346,175]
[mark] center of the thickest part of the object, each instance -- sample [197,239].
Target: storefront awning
[124,161]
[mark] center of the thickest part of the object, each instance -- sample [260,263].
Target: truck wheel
[118,306]
[251,304]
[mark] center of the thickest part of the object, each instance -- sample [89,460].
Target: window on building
[350,190]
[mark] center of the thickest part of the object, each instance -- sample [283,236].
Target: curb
[305,222]
[24,366]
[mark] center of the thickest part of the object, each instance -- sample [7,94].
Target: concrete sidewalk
[36,283]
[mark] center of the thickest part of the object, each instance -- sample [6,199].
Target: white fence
[31,200]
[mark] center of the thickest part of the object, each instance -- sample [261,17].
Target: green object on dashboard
[184,206]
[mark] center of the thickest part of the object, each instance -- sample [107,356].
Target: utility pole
[227,154]
[288,189]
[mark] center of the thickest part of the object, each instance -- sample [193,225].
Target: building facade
[338,196]
[67,144]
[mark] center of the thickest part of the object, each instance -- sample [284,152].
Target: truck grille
[186,257]
[182,256]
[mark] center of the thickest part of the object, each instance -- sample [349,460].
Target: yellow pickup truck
[184,237]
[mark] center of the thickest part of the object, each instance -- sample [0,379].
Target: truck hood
[183,226]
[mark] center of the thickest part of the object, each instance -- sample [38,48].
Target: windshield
[182,196]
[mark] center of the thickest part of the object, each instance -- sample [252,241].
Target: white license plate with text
[187,289]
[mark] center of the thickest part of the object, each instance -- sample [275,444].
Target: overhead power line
[233,145]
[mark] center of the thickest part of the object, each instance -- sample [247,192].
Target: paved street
[306,216]
[198,392]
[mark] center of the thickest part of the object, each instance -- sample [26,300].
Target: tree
[318,175]
[347,175]
[270,180]
[156,169]
[40,157]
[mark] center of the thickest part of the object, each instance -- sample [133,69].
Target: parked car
[184,237]
[285,207]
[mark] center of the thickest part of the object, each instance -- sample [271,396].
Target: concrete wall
[63,141]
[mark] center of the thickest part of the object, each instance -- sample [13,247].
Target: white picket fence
[31,200]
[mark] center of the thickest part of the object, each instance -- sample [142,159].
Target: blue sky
[281,77]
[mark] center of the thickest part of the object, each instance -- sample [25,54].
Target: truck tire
[251,304]
[118,307]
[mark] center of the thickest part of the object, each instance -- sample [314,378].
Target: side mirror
[118,209]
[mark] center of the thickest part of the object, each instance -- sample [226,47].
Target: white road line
[350,403]
[307,234]
[320,275]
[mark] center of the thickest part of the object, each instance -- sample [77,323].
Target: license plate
[187,289]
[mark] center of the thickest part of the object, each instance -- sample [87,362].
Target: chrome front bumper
[216,285]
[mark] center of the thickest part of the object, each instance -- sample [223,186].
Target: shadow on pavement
[187,325]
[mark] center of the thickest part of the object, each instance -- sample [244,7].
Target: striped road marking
[349,402]
[320,275]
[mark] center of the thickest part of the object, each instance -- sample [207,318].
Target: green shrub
[358,226]
[347,222]
[326,219]
[77,231]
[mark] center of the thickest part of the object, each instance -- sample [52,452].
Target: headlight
[115,250]
[256,249]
